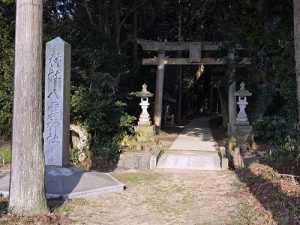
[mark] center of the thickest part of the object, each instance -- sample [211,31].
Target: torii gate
[195,51]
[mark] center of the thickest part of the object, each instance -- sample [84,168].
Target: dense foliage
[106,59]
[6,70]
[268,28]
[271,130]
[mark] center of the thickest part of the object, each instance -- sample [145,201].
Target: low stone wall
[237,159]
[138,160]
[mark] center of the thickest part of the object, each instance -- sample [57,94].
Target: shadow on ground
[281,198]
[276,196]
[3,204]
[53,204]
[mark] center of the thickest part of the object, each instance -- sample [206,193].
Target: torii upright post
[231,91]
[159,90]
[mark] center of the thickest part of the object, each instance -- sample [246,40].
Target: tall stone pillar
[57,103]
[159,90]
[231,91]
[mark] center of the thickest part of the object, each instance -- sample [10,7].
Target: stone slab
[73,183]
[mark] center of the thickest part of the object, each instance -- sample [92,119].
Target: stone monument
[57,103]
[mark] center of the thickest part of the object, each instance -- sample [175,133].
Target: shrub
[271,130]
[287,149]
[96,107]
[106,150]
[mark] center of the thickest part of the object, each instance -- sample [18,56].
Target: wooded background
[106,60]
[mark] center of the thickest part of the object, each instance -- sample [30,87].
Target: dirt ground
[182,197]
[167,197]
[169,135]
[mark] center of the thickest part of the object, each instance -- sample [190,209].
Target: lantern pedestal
[145,133]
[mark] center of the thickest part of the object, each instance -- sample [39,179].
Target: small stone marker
[57,102]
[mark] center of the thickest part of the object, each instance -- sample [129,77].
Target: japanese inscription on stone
[57,102]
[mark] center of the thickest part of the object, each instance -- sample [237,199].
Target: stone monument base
[72,182]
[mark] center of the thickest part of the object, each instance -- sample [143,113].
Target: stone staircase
[194,149]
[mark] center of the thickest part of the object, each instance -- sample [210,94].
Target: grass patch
[5,156]
[137,177]
[248,209]
[59,205]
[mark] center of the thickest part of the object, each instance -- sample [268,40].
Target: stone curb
[224,158]
[155,157]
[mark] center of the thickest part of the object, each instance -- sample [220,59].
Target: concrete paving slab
[73,183]
[196,136]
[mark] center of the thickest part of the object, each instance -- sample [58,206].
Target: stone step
[187,160]
[192,152]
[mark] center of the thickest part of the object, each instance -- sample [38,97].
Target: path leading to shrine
[163,197]
[194,149]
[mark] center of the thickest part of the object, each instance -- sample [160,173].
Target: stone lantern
[241,130]
[242,95]
[144,95]
[145,130]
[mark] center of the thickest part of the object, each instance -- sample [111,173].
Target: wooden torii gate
[195,50]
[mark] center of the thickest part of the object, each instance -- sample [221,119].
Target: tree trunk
[116,24]
[27,194]
[106,20]
[135,35]
[297,48]
[223,96]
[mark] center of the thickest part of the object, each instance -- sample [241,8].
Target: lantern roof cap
[144,93]
[243,92]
